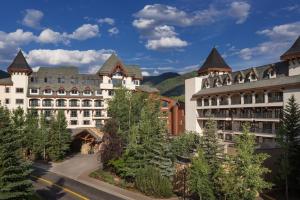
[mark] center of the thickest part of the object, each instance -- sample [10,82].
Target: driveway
[76,165]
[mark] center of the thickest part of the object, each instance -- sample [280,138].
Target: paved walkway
[78,167]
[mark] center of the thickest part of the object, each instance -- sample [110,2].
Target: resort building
[256,95]
[83,97]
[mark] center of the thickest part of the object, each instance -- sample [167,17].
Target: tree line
[25,137]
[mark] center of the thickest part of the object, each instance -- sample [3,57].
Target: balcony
[99,104]
[86,103]
[74,104]
[61,103]
[47,103]
[274,97]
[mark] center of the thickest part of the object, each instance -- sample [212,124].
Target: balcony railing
[73,104]
[276,99]
[46,104]
[34,104]
[86,105]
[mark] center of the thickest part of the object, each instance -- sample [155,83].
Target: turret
[19,65]
[215,64]
[292,55]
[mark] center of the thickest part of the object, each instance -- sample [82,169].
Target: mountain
[169,84]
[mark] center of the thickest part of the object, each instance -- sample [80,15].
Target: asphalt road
[51,186]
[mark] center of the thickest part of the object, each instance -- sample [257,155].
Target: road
[51,186]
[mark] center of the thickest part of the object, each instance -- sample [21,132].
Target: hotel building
[83,97]
[256,95]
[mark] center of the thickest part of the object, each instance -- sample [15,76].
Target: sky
[159,36]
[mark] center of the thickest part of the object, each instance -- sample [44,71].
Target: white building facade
[256,95]
[83,97]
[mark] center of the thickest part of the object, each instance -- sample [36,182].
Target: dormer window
[87,92]
[74,92]
[136,82]
[48,91]
[34,91]
[61,92]
[271,73]
[217,83]
[206,84]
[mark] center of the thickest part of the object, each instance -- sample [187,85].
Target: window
[19,90]
[6,101]
[109,81]
[164,104]
[47,113]
[73,122]
[61,92]
[34,79]
[98,103]
[73,113]
[45,80]
[86,113]
[74,80]
[61,79]
[110,93]
[86,122]
[47,91]
[33,91]
[136,82]
[7,90]
[124,82]
[87,92]
[19,101]
[98,113]
[74,92]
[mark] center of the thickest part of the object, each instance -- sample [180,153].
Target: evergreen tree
[288,139]
[31,131]
[41,137]
[212,149]
[247,168]
[199,178]
[18,123]
[59,137]
[14,172]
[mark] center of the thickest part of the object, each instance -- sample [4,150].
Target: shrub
[149,181]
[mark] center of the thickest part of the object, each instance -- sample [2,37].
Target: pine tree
[31,135]
[59,137]
[288,139]
[199,178]
[18,123]
[212,149]
[14,172]
[247,168]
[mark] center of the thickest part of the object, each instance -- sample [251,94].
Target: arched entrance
[86,141]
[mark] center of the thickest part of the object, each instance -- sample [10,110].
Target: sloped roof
[113,61]
[293,51]
[19,64]
[214,62]
[266,83]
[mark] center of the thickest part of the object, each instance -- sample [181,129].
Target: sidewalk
[100,185]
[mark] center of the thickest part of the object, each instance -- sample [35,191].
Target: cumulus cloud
[156,21]
[240,11]
[32,18]
[84,32]
[279,39]
[166,42]
[113,31]
[106,20]
[89,60]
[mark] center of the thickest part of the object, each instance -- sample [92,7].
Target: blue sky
[160,36]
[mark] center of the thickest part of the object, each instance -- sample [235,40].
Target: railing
[34,104]
[224,102]
[275,99]
[260,100]
[61,105]
[48,104]
[74,104]
[86,105]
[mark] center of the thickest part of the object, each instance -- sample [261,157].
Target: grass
[111,178]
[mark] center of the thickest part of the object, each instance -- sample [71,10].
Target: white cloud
[145,73]
[106,20]
[50,36]
[156,23]
[239,10]
[85,31]
[88,60]
[32,18]
[165,43]
[113,31]
[280,38]
[282,32]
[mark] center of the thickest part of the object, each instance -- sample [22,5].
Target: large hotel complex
[255,95]
[83,97]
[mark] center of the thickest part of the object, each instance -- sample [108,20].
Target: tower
[214,64]
[19,71]
[292,55]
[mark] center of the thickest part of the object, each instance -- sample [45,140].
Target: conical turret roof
[19,64]
[214,63]
[293,52]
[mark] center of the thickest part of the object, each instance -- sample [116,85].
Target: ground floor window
[86,122]
[73,122]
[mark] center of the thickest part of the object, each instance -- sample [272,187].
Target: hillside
[169,84]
